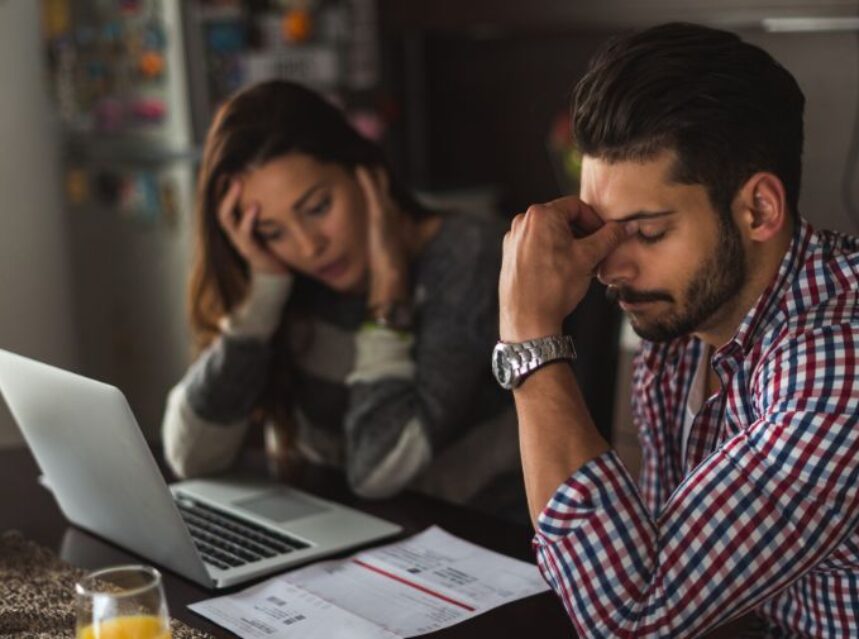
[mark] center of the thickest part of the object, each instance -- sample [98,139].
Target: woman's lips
[333,270]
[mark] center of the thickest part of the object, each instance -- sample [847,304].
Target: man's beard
[713,285]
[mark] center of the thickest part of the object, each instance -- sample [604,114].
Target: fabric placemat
[37,593]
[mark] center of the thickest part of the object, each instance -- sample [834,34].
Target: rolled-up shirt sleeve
[760,512]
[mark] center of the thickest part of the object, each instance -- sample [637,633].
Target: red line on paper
[414,585]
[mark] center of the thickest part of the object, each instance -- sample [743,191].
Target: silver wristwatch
[513,362]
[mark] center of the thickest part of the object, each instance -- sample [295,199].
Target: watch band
[397,315]
[512,362]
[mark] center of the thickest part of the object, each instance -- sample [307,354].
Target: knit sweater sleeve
[411,395]
[207,412]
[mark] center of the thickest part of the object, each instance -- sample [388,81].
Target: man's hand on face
[547,267]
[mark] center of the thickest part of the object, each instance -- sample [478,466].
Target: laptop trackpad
[280,506]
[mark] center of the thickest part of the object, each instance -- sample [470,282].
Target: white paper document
[276,608]
[425,583]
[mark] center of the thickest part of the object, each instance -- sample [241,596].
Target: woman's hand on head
[386,248]
[239,225]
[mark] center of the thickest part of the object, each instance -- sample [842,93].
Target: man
[744,390]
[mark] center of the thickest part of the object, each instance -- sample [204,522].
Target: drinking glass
[123,602]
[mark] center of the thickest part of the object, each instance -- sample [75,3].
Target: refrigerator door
[122,95]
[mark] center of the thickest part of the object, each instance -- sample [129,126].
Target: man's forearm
[556,433]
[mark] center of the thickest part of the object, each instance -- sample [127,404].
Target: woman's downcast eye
[320,207]
[269,233]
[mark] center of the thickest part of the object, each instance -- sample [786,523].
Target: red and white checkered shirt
[763,513]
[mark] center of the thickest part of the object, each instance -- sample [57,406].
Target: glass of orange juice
[123,602]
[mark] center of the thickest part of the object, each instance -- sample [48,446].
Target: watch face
[501,367]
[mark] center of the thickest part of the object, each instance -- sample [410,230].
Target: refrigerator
[134,84]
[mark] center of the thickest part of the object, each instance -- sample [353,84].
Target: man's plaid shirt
[763,513]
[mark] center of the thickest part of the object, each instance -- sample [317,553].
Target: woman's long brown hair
[259,124]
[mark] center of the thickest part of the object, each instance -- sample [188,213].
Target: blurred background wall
[36,307]
[485,89]
[469,97]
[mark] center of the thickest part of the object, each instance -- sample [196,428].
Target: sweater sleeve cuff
[382,353]
[259,314]
[586,490]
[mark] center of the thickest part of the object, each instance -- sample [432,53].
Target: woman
[329,305]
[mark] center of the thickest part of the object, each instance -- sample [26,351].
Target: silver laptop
[216,532]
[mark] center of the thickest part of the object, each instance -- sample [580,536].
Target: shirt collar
[769,309]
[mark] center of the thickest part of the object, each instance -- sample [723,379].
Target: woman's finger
[228,207]
[247,241]
[248,221]
[252,248]
[370,189]
[239,224]
[383,190]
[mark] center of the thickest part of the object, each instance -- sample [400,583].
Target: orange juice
[127,627]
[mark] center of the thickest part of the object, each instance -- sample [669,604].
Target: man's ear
[762,207]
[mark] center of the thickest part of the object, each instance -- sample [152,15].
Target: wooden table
[28,507]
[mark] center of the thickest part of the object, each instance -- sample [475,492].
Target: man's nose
[618,267]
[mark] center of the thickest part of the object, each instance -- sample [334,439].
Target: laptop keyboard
[225,541]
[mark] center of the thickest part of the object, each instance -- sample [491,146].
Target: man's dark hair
[725,107]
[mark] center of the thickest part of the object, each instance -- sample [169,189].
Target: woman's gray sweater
[393,410]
